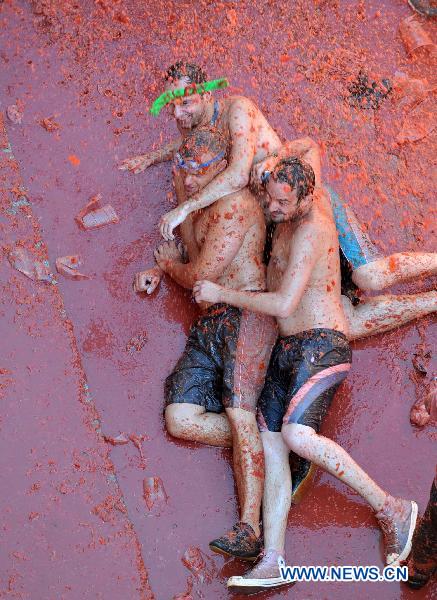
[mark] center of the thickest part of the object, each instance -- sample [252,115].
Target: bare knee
[180,419]
[242,421]
[298,437]
[373,276]
[274,447]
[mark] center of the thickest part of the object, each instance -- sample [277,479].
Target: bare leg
[238,430]
[396,516]
[384,313]
[394,269]
[249,463]
[276,505]
[330,456]
[191,422]
[277,491]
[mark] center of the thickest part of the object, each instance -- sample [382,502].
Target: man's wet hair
[180,69]
[202,140]
[298,174]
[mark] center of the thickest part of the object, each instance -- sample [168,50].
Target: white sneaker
[265,575]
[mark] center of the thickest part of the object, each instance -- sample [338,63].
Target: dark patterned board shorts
[225,360]
[304,373]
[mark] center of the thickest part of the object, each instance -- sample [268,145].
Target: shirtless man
[370,270]
[256,146]
[212,393]
[363,267]
[372,316]
[250,135]
[310,359]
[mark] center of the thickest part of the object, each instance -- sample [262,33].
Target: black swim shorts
[304,373]
[225,360]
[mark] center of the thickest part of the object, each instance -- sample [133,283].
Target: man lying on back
[212,393]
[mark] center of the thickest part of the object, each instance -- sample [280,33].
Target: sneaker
[240,542]
[266,575]
[302,475]
[427,8]
[397,519]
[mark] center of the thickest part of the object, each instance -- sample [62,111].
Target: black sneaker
[422,563]
[240,542]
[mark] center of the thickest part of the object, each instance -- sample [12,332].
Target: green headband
[194,88]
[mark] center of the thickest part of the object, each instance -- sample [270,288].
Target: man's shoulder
[240,104]
[322,193]
[320,230]
[241,199]
[239,206]
[314,229]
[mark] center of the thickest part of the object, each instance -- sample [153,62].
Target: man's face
[281,201]
[197,173]
[187,110]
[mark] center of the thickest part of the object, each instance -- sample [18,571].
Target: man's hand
[147,281]
[268,164]
[168,253]
[136,164]
[206,291]
[171,220]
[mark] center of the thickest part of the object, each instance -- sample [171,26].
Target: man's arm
[235,177]
[148,280]
[284,301]
[187,228]
[304,148]
[140,163]
[225,234]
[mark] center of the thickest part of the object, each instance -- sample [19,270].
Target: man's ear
[207,96]
[306,203]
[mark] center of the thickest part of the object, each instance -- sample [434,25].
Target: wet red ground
[81,358]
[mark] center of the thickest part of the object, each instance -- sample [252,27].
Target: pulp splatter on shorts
[304,373]
[225,360]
